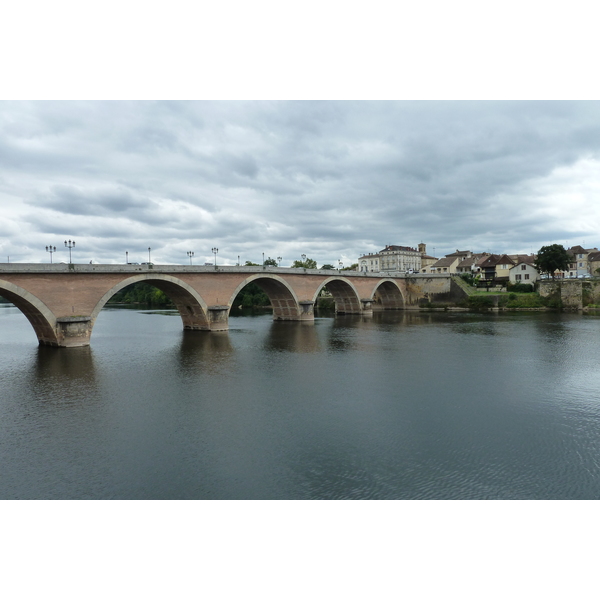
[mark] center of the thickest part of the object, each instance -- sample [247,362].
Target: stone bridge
[62,301]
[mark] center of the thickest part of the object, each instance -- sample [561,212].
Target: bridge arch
[388,295]
[345,295]
[192,308]
[282,297]
[42,319]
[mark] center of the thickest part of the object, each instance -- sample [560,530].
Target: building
[594,263]
[496,268]
[426,259]
[396,259]
[450,262]
[579,265]
[523,272]
[472,264]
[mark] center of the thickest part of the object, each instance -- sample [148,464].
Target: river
[404,405]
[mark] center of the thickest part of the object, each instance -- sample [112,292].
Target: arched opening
[37,313]
[281,298]
[183,298]
[345,296]
[387,296]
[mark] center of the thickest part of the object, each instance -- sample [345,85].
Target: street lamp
[340,264]
[279,259]
[238,260]
[263,259]
[69,245]
[214,251]
[149,259]
[303,259]
[190,254]
[126,257]
[50,249]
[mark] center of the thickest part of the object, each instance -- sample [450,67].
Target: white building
[397,259]
[523,272]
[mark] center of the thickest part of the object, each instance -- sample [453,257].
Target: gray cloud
[337,178]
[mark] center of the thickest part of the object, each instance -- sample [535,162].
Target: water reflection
[64,377]
[293,336]
[67,363]
[203,351]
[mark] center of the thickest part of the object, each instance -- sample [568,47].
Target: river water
[404,405]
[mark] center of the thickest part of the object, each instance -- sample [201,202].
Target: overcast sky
[329,179]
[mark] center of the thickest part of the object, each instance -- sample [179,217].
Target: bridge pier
[307,310]
[366,306]
[218,318]
[72,332]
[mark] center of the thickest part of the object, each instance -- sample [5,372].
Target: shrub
[521,288]
[528,301]
[468,278]
[481,301]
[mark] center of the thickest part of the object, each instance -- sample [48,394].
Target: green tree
[307,263]
[142,293]
[270,262]
[552,258]
[328,266]
[250,296]
[249,263]
[352,267]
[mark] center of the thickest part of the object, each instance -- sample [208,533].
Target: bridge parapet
[155,268]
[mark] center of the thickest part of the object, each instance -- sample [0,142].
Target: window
[518,277]
[526,275]
[523,267]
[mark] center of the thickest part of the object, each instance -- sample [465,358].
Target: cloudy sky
[337,156]
[330,179]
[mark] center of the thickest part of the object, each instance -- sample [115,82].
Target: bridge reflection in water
[62,302]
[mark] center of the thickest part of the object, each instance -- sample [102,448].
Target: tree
[552,258]
[252,295]
[352,267]
[270,262]
[141,293]
[307,263]
[249,263]
[329,267]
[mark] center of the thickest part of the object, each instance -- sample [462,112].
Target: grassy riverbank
[517,298]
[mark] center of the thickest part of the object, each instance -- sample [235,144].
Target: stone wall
[568,291]
[438,291]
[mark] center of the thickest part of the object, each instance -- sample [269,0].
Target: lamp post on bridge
[340,265]
[215,251]
[50,249]
[70,245]
[190,254]
[279,259]
[149,259]
[238,260]
[126,257]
